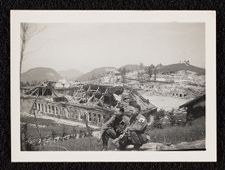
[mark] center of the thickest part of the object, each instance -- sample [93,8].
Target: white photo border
[56,16]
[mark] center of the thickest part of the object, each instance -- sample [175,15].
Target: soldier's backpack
[140,123]
[125,122]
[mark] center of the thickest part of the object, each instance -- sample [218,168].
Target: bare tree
[155,72]
[139,76]
[123,72]
[157,68]
[141,66]
[27,31]
[150,71]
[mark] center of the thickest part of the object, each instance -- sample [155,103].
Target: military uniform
[113,128]
[135,134]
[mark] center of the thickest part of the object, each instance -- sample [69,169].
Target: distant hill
[179,67]
[71,74]
[96,73]
[40,74]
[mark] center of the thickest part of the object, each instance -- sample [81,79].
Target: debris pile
[172,89]
[94,100]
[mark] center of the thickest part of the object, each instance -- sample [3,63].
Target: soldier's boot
[104,148]
[137,147]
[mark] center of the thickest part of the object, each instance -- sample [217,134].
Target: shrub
[157,121]
[177,134]
[172,118]
[54,134]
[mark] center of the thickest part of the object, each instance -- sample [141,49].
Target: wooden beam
[34,91]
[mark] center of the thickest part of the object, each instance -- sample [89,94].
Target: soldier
[134,134]
[114,127]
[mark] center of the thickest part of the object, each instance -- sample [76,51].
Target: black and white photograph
[113,86]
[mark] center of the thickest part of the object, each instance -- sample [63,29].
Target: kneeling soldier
[114,127]
[135,133]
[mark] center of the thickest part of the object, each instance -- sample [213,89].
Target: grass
[50,126]
[46,128]
[177,134]
[40,121]
[83,144]
[173,135]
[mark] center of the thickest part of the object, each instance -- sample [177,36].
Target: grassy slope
[181,66]
[93,74]
[173,135]
[46,127]
[83,144]
[177,134]
[50,126]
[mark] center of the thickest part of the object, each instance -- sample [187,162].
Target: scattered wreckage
[95,102]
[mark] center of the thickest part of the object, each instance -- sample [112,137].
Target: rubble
[93,100]
[173,90]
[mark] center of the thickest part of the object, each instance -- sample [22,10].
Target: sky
[85,46]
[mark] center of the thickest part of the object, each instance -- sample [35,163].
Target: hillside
[70,74]
[179,67]
[96,73]
[131,67]
[40,74]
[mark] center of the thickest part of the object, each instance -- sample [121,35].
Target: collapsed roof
[103,96]
[193,102]
[45,89]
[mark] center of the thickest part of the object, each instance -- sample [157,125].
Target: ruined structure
[195,108]
[92,101]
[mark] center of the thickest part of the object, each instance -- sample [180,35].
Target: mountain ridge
[181,66]
[95,73]
[40,74]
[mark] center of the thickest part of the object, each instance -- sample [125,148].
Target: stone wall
[63,111]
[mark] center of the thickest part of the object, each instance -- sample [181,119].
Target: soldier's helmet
[119,111]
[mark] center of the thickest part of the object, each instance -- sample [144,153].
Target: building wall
[70,112]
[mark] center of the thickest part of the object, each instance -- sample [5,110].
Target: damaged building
[92,101]
[195,108]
